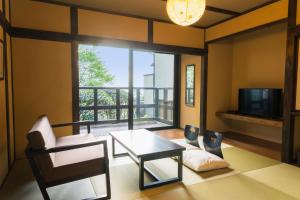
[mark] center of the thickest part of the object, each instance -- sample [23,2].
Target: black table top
[143,142]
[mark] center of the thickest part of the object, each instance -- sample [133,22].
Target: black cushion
[191,134]
[212,143]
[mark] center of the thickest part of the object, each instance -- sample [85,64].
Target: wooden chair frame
[43,185]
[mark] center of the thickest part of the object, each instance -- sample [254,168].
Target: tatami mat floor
[250,176]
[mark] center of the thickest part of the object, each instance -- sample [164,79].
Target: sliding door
[153,89]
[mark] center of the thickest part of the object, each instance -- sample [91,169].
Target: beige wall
[165,33]
[41,16]
[255,59]
[190,115]
[259,60]
[219,83]
[112,26]
[42,85]
[267,14]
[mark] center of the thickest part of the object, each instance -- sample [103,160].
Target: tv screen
[260,102]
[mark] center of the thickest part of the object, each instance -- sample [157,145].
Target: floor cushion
[200,160]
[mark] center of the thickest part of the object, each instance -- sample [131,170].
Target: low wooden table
[142,146]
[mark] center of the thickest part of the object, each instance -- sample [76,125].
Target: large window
[105,87]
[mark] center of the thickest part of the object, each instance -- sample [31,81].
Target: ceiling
[155,9]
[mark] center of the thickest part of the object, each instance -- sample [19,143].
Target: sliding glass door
[123,89]
[153,86]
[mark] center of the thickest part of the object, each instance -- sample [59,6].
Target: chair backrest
[191,134]
[212,143]
[40,137]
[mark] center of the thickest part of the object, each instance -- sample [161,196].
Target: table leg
[114,154]
[141,174]
[180,167]
[113,147]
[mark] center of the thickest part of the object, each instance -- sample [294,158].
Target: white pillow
[200,160]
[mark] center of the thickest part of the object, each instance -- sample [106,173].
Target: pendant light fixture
[185,12]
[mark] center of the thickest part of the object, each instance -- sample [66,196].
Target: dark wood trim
[248,30]
[277,123]
[5,68]
[243,13]
[74,20]
[296,30]
[222,11]
[3,21]
[150,31]
[296,112]
[108,11]
[13,96]
[203,91]
[2,77]
[67,147]
[74,124]
[67,37]
[290,87]
[177,89]
[75,69]
[41,35]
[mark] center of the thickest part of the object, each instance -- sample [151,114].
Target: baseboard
[298,158]
[252,140]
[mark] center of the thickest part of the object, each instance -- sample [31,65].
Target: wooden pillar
[203,91]
[75,69]
[290,86]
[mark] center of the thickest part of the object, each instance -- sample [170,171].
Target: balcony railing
[110,104]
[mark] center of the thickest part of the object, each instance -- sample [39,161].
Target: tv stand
[250,119]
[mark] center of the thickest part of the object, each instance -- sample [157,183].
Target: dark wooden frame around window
[188,100]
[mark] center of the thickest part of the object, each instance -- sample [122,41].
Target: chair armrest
[79,123]
[68,147]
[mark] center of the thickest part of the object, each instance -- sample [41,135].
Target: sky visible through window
[116,61]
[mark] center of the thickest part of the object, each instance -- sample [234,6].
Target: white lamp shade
[185,12]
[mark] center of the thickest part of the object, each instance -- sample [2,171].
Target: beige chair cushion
[88,161]
[41,135]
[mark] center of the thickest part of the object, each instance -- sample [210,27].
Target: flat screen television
[260,102]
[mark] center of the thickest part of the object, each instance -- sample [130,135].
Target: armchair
[56,161]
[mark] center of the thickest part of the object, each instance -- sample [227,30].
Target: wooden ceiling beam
[223,11]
